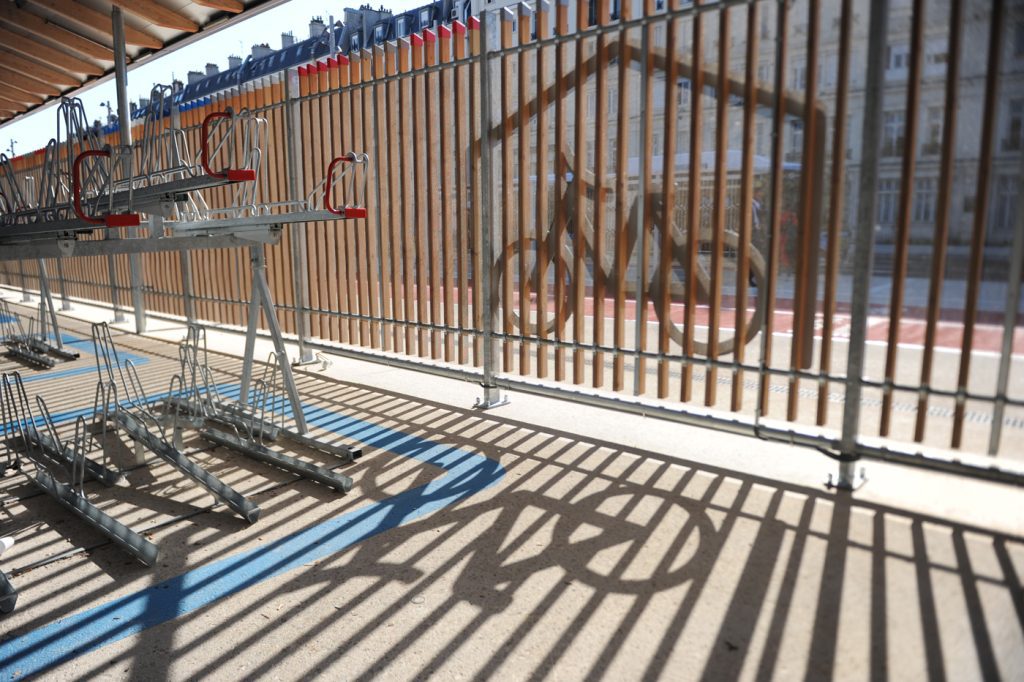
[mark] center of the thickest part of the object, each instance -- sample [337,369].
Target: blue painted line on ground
[466,473]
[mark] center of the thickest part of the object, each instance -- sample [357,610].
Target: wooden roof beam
[30,90]
[16,107]
[36,70]
[232,6]
[47,29]
[20,96]
[53,57]
[86,16]
[158,14]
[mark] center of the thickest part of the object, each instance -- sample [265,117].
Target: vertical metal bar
[988,131]
[1013,280]
[480,289]
[350,262]
[300,285]
[408,193]
[492,394]
[579,213]
[945,199]
[25,298]
[186,285]
[864,238]
[622,218]
[643,202]
[721,197]
[778,132]
[836,207]
[248,356]
[65,302]
[371,236]
[462,176]
[396,192]
[125,132]
[746,202]
[523,212]
[435,218]
[424,219]
[47,300]
[899,274]
[507,204]
[693,208]
[600,169]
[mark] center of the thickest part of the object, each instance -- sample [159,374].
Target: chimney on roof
[195,76]
[234,62]
[212,70]
[287,39]
[316,27]
[261,50]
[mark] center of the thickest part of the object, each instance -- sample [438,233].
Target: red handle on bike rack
[110,220]
[348,211]
[229,174]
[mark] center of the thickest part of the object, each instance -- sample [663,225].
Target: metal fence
[795,220]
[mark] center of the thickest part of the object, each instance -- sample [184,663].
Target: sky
[34,131]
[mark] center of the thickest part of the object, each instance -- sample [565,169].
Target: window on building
[1018,38]
[378,33]
[924,200]
[795,142]
[892,133]
[932,131]
[1004,205]
[888,199]
[898,58]
[683,92]
[1014,125]
[798,77]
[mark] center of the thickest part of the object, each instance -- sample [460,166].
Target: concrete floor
[540,539]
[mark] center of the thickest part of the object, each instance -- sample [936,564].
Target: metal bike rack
[147,430]
[245,426]
[21,428]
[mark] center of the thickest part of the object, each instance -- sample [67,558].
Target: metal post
[261,297]
[124,129]
[300,274]
[25,298]
[639,298]
[864,241]
[1009,323]
[492,393]
[47,300]
[65,302]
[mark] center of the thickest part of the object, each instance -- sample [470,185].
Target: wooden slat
[693,208]
[334,230]
[40,51]
[448,155]
[385,211]
[718,234]
[158,14]
[408,135]
[420,192]
[98,21]
[12,106]
[27,85]
[899,273]
[622,228]
[308,132]
[358,227]
[747,197]
[461,114]
[43,28]
[347,297]
[600,191]
[540,221]
[480,289]
[434,218]
[562,200]
[523,214]
[328,150]
[397,193]
[36,70]
[366,143]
